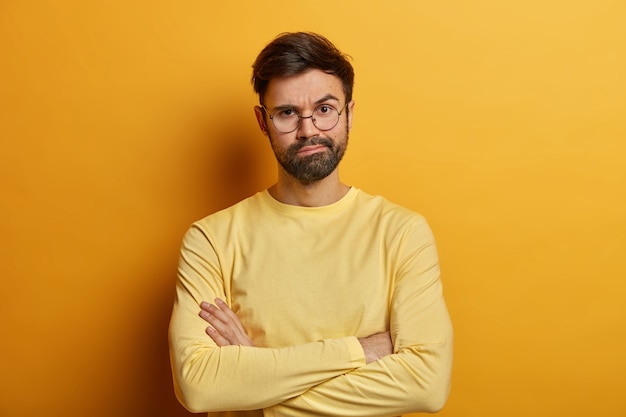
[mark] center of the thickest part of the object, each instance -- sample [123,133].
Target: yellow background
[503,122]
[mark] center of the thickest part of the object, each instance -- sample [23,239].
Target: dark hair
[295,53]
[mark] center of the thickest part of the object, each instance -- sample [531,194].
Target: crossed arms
[345,376]
[328,377]
[399,369]
[226,330]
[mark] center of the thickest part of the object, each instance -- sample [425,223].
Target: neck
[291,191]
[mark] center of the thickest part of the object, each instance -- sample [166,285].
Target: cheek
[280,140]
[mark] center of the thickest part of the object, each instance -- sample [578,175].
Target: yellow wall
[504,122]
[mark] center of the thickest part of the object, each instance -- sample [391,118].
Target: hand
[376,346]
[225,327]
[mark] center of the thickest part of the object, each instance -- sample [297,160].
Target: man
[311,298]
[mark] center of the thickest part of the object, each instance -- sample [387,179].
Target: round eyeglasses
[287,119]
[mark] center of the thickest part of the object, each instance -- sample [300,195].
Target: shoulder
[404,232]
[381,207]
[223,220]
[397,223]
[238,209]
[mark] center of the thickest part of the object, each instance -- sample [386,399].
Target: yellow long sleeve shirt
[306,282]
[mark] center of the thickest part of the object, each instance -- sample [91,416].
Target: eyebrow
[327,97]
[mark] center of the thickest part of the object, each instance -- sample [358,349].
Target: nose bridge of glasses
[299,124]
[312,117]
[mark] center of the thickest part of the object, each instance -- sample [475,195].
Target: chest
[295,287]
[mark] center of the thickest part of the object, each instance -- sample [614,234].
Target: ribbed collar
[289,209]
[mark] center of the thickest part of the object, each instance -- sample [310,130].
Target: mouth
[310,150]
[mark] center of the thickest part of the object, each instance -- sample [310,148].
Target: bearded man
[310,298]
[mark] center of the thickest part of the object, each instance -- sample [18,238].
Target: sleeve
[416,377]
[212,378]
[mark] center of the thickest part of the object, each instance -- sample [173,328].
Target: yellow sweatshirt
[306,282]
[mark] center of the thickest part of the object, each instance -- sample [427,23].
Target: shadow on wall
[231,159]
[226,164]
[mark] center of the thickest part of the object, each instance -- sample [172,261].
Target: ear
[350,114]
[260,118]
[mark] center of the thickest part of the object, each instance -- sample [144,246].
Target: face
[307,154]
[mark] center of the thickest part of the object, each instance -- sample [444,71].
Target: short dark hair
[295,53]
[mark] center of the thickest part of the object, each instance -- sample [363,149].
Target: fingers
[231,316]
[217,338]
[226,328]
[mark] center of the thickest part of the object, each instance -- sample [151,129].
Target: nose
[306,128]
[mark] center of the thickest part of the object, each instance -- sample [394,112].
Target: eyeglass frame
[339,113]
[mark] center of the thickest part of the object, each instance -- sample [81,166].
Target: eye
[324,110]
[286,113]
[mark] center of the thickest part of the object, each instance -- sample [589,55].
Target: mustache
[314,141]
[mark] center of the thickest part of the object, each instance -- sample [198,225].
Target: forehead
[303,89]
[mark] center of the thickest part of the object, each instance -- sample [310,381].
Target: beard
[314,167]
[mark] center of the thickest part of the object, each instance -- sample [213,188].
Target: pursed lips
[308,150]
